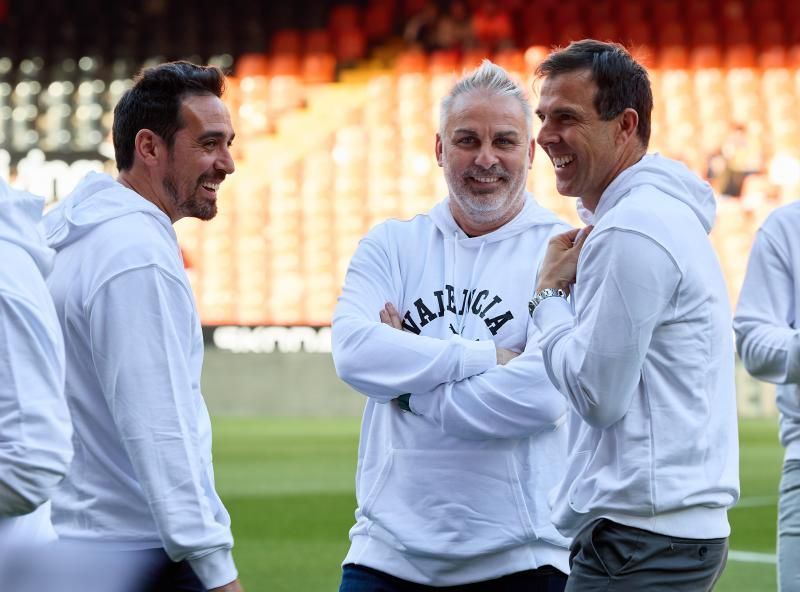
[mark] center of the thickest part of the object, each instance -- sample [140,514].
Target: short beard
[482,210]
[191,207]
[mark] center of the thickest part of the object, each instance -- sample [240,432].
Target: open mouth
[561,161]
[212,188]
[486,180]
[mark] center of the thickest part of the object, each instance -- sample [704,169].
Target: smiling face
[199,158]
[486,150]
[587,152]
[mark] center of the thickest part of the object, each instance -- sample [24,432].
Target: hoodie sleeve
[380,361]
[35,427]
[512,401]
[141,325]
[626,281]
[766,337]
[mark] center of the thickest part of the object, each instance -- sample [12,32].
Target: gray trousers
[615,558]
[789,528]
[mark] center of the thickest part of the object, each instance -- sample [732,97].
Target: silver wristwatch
[542,294]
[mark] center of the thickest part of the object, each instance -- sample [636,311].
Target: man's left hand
[390,316]
[560,265]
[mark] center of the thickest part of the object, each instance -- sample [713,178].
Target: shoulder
[394,231]
[134,240]
[784,217]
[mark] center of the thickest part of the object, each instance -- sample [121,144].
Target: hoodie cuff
[215,569]
[550,316]
[479,356]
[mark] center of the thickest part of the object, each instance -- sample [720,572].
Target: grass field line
[751,557]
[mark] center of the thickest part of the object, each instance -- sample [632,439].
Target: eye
[503,141]
[210,144]
[468,140]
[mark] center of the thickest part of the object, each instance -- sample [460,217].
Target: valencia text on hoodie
[142,476]
[457,491]
[35,428]
[646,362]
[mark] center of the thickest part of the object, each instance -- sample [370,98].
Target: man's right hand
[504,356]
[233,586]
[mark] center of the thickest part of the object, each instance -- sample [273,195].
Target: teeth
[486,179]
[561,161]
[211,186]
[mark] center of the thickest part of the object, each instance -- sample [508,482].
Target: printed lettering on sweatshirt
[479,303]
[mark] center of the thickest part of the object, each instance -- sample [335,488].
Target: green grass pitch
[289,487]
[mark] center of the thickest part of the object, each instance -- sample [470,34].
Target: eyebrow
[212,134]
[471,132]
[560,111]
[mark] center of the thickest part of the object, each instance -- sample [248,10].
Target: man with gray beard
[458,445]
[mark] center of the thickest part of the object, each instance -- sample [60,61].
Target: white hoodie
[142,475]
[647,362]
[766,321]
[35,428]
[458,495]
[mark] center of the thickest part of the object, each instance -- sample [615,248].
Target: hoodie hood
[97,199]
[20,214]
[532,214]
[668,176]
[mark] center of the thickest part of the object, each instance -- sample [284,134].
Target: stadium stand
[335,117]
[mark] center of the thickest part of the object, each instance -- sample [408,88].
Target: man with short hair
[767,325]
[452,479]
[142,482]
[644,352]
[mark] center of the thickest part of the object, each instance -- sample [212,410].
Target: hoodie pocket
[578,495]
[448,504]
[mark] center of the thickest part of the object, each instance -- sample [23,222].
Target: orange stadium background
[336,105]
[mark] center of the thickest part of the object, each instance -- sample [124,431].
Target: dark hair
[154,103]
[621,81]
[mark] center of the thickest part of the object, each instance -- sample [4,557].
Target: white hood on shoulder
[97,199]
[668,176]
[20,213]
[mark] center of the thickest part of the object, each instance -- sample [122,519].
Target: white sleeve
[512,401]
[141,325]
[625,283]
[380,361]
[35,427]
[766,336]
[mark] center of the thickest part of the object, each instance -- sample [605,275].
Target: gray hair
[491,78]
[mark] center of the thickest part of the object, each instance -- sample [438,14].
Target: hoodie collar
[97,199]
[532,214]
[668,176]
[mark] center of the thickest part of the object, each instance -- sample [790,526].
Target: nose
[486,156]
[225,161]
[546,135]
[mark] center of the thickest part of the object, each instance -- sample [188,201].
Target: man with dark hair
[142,481]
[644,352]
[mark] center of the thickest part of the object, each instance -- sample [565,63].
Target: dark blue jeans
[168,576]
[357,578]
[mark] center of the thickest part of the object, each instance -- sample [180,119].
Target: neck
[475,227]
[625,162]
[145,189]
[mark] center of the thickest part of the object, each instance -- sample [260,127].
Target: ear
[438,150]
[531,152]
[628,124]
[149,147]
